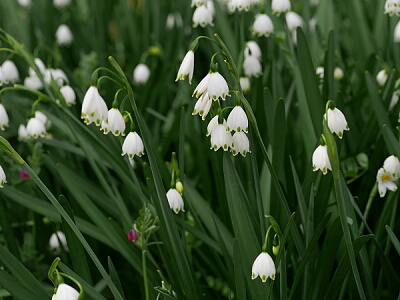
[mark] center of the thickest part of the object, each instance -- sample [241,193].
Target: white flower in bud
[175,200]
[10,72]
[3,117]
[141,74]
[336,121]
[252,66]
[392,166]
[3,178]
[55,240]
[320,71]
[202,106]
[94,108]
[263,25]
[253,49]
[202,16]
[187,67]
[61,3]
[245,84]
[65,292]
[220,137]
[320,159]
[133,145]
[338,73]
[64,35]
[264,267]
[115,123]
[280,6]
[239,5]
[240,144]
[237,120]
[381,77]
[293,20]
[35,128]
[385,182]
[69,95]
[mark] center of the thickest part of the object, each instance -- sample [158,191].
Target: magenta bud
[23,174]
[132,235]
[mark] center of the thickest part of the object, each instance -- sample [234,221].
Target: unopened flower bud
[179,187]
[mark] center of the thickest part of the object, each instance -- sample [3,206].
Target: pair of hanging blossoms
[337,123]
[211,89]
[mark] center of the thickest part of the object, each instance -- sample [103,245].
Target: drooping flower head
[10,71]
[65,292]
[94,108]
[245,84]
[336,121]
[252,66]
[175,200]
[385,182]
[280,6]
[320,159]
[64,35]
[220,137]
[381,77]
[69,95]
[263,25]
[214,84]
[264,267]
[240,144]
[56,238]
[35,128]
[187,67]
[253,49]
[115,123]
[202,106]
[237,120]
[392,7]
[3,178]
[3,117]
[133,145]
[202,16]
[391,165]
[239,5]
[141,74]
[293,20]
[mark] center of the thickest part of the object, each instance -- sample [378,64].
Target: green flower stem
[371,197]
[145,279]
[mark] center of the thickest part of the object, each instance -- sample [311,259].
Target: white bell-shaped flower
[35,128]
[293,20]
[175,200]
[394,99]
[381,77]
[65,292]
[33,82]
[392,7]
[396,33]
[253,49]
[220,137]
[58,76]
[320,159]
[385,182]
[202,16]
[10,72]
[24,3]
[133,145]
[94,108]
[202,86]
[55,239]
[338,73]
[115,123]
[264,267]
[187,67]
[22,133]
[41,66]
[244,84]
[202,106]
[239,5]
[240,144]
[3,117]
[217,86]
[69,95]
[141,74]
[263,25]
[252,66]
[64,35]
[280,6]
[3,178]
[237,120]
[42,118]
[336,121]
[392,166]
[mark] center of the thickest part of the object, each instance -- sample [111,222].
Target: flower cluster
[392,7]
[387,175]
[203,14]
[337,124]
[252,57]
